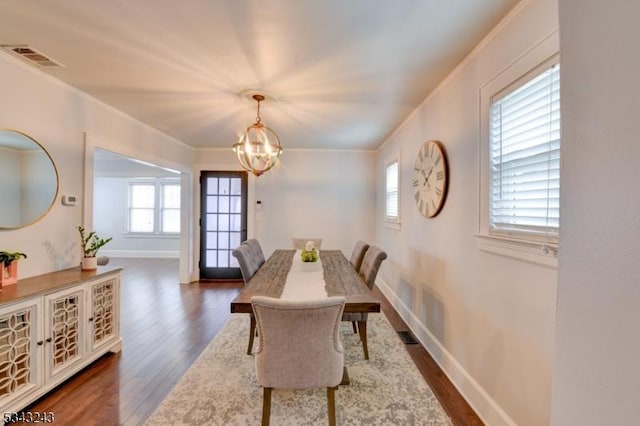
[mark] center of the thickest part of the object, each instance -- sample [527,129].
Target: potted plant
[310,257]
[9,272]
[90,244]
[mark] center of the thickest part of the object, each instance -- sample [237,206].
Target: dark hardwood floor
[164,327]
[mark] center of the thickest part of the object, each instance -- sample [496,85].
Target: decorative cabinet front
[50,335]
[20,372]
[104,323]
[64,330]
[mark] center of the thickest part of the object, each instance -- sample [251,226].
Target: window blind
[170,208]
[525,156]
[141,207]
[391,198]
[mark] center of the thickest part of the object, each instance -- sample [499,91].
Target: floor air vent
[32,56]
[407,338]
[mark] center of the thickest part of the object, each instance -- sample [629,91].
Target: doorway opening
[223,222]
[138,204]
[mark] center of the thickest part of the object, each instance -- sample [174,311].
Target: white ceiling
[346,72]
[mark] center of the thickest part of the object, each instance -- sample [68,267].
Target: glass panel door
[223,222]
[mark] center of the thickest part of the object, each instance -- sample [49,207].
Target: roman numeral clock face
[430,178]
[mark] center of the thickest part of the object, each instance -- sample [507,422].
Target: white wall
[58,117]
[489,320]
[327,194]
[311,193]
[597,379]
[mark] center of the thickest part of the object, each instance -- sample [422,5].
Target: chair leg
[355,329]
[252,333]
[266,406]
[331,405]
[362,327]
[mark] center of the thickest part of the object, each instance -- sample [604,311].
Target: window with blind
[170,208]
[141,207]
[524,176]
[154,206]
[392,196]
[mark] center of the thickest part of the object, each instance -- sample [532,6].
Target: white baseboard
[141,253]
[485,407]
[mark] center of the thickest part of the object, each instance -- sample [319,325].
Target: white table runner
[303,283]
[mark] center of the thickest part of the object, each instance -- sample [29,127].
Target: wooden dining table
[339,279]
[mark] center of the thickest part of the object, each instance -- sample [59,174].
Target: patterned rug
[220,387]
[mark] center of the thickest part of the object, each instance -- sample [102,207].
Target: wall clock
[430,178]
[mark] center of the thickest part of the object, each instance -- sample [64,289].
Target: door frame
[92,142]
[228,272]
[251,203]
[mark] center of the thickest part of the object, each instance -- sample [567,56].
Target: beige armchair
[299,347]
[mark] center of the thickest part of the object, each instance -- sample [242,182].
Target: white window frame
[392,221]
[536,250]
[158,206]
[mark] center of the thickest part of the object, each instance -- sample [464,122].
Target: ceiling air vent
[33,56]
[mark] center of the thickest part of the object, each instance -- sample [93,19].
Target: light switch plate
[69,200]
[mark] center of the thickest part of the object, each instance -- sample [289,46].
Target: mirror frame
[55,170]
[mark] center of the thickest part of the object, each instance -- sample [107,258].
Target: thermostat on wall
[69,200]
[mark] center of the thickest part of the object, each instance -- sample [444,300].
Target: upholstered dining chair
[358,254]
[368,271]
[299,243]
[299,347]
[250,259]
[256,249]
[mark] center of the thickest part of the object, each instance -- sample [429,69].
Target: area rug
[220,388]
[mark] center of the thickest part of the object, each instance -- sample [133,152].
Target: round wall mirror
[28,180]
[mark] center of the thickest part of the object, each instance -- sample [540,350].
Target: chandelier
[259,148]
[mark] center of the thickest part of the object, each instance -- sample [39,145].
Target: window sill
[149,235]
[536,252]
[392,225]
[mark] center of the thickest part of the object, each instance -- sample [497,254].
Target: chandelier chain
[258,113]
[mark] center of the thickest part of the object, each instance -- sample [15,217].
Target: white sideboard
[53,325]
